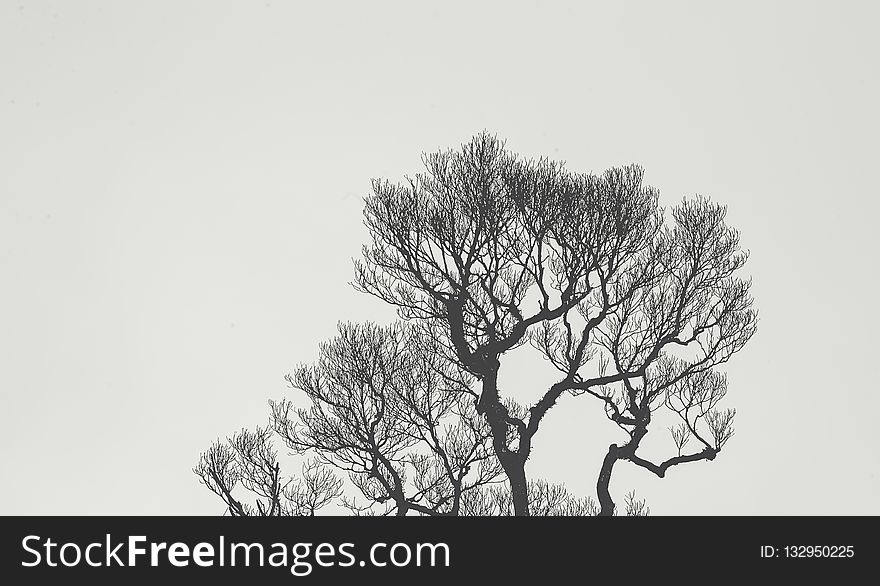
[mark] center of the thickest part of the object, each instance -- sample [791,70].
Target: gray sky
[180,201]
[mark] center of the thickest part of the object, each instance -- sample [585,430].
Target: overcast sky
[180,203]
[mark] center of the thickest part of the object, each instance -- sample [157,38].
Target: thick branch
[660,469]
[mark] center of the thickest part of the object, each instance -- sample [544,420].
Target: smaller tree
[387,408]
[248,463]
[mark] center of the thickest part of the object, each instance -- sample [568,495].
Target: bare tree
[493,251]
[389,409]
[482,253]
[247,465]
[386,407]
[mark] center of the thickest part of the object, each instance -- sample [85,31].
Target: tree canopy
[484,252]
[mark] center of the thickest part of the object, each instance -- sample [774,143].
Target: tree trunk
[519,488]
[605,503]
[513,463]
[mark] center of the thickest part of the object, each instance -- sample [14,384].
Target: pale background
[180,201]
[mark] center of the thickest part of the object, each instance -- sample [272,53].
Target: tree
[482,253]
[493,251]
[249,461]
[385,407]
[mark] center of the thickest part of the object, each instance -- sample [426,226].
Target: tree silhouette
[385,407]
[482,253]
[249,461]
[496,251]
